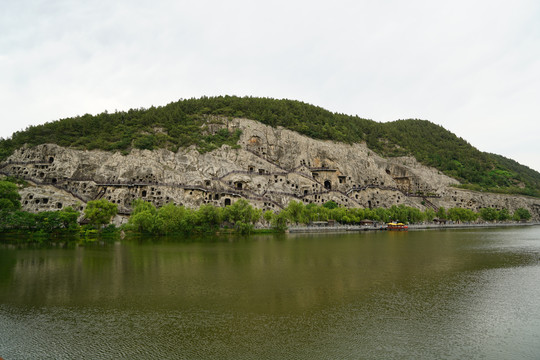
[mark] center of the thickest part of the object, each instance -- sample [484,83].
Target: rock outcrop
[271,167]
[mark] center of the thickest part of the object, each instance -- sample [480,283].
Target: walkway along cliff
[271,167]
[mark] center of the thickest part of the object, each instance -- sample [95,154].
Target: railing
[235,191]
[430,204]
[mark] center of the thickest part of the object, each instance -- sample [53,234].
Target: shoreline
[352,228]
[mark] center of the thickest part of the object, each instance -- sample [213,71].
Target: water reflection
[422,294]
[261,274]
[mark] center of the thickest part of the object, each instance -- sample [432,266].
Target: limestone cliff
[271,167]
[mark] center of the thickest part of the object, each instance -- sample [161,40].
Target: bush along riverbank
[240,217]
[326,228]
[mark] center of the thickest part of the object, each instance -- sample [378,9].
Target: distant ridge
[185,122]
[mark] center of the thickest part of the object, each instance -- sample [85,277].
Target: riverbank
[383,227]
[465,226]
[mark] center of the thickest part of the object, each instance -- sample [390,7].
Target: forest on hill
[182,123]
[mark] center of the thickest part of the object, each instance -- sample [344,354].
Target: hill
[186,122]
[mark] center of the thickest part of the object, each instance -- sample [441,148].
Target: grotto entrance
[328,184]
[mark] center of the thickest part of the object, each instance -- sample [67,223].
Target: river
[431,294]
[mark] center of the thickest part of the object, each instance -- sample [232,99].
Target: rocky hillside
[188,122]
[267,165]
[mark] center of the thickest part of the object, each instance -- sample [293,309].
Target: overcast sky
[470,66]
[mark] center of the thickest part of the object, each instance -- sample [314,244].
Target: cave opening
[328,184]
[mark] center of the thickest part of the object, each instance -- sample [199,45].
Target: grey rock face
[271,167]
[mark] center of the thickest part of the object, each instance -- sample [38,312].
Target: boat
[397,226]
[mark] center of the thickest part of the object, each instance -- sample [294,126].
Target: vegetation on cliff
[188,122]
[12,218]
[239,217]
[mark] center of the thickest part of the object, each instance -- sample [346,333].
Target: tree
[460,214]
[400,213]
[382,214]
[279,221]
[489,214]
[173,218]
[20,220]
[338,214]
[429,214]
[268,215]
[242,215]
[144,217]
[139,205]
[330,204]
[147,222]
[100,212]
[68,218]
[208,217]
[415,215]
[504,215]
[295,210]
[9,197]
[522,214]
[441,213]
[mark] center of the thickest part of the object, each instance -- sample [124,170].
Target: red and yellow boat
[397,226]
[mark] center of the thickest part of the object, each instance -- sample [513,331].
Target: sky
[471,66]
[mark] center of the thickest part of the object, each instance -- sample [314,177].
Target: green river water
[435,294]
